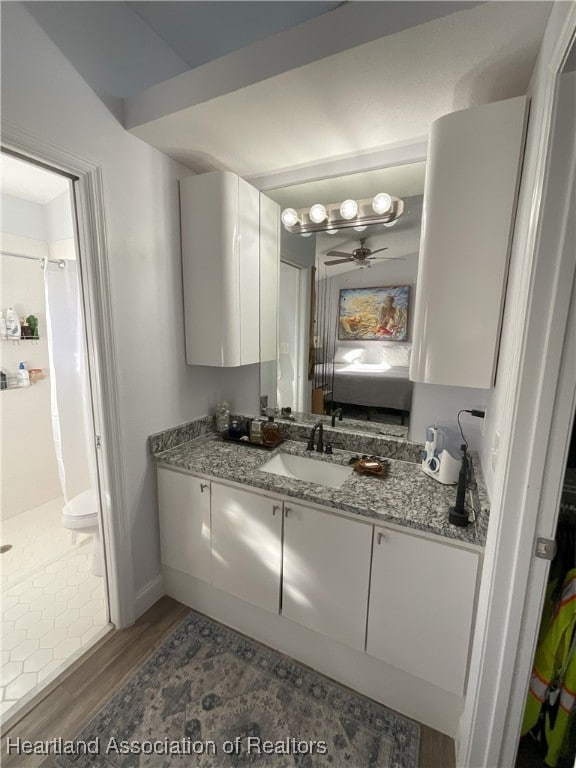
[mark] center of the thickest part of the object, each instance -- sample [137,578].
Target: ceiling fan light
[289,217]
[390,223]
[305,234]
[382,203]
[318,213]
[331,231]
[349,209]
[361,229]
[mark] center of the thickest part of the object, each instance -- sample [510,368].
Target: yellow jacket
[553,681]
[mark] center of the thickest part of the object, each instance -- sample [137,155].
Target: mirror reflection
[345,301]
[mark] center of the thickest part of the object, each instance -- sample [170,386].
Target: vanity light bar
[321,218]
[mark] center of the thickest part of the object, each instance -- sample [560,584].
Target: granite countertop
[406,497]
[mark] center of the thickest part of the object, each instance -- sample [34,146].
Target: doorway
[54,587]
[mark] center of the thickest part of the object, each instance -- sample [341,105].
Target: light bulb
[360,229]
[305,234]
[349,209]
[331,231]
[318,213]
[289,217]
[382,203]
[390,223]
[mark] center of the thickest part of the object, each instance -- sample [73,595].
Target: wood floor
[63,708]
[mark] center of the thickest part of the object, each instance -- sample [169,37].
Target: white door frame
[535,433]
[96,290]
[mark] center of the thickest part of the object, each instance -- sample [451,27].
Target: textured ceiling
[362,99]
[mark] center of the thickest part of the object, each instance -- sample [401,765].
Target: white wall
[437,405]
[59,218]
[23,217]
[44,96]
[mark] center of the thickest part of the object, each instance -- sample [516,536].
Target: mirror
[344,313]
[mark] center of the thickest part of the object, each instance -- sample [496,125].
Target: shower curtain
[69,386]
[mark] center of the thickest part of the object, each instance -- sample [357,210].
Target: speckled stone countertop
[406,497]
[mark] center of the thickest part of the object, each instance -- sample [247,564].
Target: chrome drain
[5,548]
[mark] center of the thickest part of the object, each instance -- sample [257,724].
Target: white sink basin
[309,470]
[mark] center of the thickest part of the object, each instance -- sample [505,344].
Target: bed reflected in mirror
[345,309]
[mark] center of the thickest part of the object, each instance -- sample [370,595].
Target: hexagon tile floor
[52,610]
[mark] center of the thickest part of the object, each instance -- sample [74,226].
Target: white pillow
[396,357]
[349,355]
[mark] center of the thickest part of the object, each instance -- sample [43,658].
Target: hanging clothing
[552,694]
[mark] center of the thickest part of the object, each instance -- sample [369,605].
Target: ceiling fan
[362,256]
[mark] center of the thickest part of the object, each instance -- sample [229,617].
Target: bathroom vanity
[362,577]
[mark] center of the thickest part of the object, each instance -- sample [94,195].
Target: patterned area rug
[209,696]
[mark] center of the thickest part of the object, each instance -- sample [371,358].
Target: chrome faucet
[310,447]
[337,412]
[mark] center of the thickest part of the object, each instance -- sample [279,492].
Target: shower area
[53,587]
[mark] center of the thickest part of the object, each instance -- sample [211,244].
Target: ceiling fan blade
[387,258]
[339,253]
[377,251]
[337,261]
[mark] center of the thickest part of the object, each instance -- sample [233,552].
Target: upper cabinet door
[269,277]
[472,178]
[220,221]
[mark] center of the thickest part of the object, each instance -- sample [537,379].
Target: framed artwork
[374,314]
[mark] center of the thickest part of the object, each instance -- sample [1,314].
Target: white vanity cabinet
[221,245]
[184,504]
[422,597]
[326,573]
[247,545]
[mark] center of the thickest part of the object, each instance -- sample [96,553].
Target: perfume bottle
[270,431]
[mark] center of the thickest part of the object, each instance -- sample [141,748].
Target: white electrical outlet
[284,348]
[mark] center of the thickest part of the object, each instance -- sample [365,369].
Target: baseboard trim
[148,595]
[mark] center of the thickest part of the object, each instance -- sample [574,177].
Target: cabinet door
[421,605]
[326,573]
[269,278]
[247,546]
[472,176]
[184,505]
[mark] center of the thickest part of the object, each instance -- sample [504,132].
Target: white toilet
[80,515]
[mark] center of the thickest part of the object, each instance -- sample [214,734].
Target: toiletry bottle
[256,431]
[3,331]
[23,377]
[25,329]
[3,380]
[12,325]
[270,431]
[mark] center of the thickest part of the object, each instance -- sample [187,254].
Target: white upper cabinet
[269,277]
[472,177]
[220,215]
